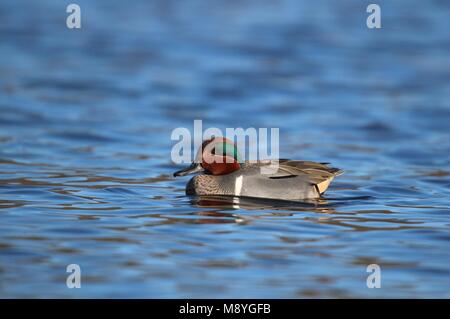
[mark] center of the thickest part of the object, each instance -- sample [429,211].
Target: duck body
[294,180]
[283,179]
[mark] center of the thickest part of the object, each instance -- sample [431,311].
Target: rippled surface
[85,170]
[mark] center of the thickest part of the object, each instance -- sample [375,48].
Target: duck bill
[194,168]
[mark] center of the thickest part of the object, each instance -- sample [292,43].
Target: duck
[220,171]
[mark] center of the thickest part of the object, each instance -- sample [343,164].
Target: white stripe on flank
[238,186]
[236,203]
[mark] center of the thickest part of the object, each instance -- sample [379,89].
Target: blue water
[85,169]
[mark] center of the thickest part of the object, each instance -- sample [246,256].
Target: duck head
[216,156]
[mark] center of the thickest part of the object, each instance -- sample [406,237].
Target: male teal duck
[223,173]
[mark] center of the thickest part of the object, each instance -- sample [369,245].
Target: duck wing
[318,174]
[308,167]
